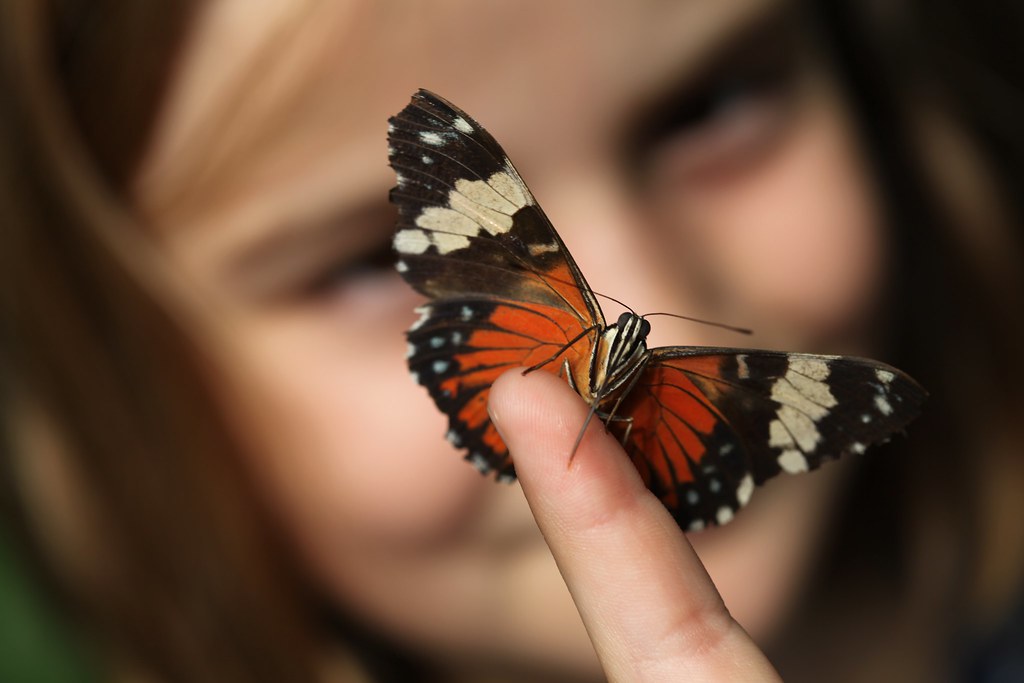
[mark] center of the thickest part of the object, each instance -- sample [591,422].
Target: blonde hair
[118,459]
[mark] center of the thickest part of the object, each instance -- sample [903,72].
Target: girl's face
[692,157]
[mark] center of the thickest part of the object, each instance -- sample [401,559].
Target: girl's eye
[720,121]
[311,262]
[722,100]
[362,284]
[376,259]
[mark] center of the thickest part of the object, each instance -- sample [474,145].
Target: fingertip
[536,413]
[504,397]
[572,480]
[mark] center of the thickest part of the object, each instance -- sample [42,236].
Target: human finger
[648,604]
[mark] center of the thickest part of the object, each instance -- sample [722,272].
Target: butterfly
[703,425]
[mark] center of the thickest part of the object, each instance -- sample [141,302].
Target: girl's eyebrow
[766,41]
[289,250]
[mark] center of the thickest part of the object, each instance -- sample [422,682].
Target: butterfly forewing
[467,222]
[504,291]
[716,422]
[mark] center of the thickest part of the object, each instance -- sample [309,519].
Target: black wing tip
[426,100]
[437,104]
[426,103]
[431,98]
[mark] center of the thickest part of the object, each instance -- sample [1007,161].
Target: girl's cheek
[791,245]
[345,442]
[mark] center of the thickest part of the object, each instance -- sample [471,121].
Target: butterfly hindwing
[709,424]
[461,345]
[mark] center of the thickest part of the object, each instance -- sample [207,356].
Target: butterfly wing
[708,424]
[504,291]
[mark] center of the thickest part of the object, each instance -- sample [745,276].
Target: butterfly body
[616,357]
[703,425]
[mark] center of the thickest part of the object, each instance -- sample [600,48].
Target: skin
[266,188]
[650,607]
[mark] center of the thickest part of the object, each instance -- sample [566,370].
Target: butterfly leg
[611,415]
[608,418]
[605,418]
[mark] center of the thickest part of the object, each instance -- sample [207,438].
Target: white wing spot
[814,368]
[801,429]
[792,461]
[410,241]
[883,405]
[448,231]
[425,159]
[742,370]
[484,194]
[493,221]
[474,206]
[745,490]
[724,515]
[857,447]
[447,220]
[492,203]
[410,351]
[466,314]
[479,462]
[446,243]
[456,338]
[538,249]
[714,485]
[696,525]
[425,313]
[462,125]
[779,436]
[692,497]
[884,376]
[865,418]
[436,342]
[805,397]
[453,438]
[401,267]
[440,367]
[431,138]
[511,187]
[809,395]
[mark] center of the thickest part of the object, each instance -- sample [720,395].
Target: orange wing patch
[460,348]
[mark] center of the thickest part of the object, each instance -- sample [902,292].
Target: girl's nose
[615,246]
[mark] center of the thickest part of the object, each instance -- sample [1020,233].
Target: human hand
[648,604]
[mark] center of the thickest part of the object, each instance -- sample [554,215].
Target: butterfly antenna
[612,298]
[711,323]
